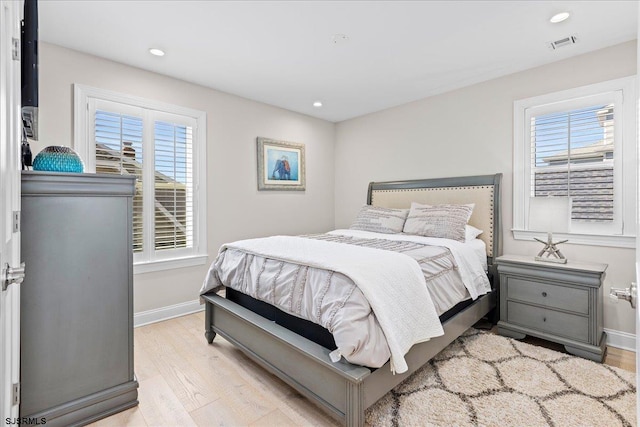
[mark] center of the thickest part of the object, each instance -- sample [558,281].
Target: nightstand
[556,302]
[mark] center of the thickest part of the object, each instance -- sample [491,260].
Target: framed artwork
[280,165]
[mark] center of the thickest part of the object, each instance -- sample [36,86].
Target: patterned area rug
[483,379]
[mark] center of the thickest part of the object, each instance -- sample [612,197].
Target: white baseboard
[619,339]
[164,313]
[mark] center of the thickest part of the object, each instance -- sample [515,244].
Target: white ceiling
[282,53]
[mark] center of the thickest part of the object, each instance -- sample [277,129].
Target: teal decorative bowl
[58,159]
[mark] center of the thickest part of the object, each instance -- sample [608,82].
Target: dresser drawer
[546,320]
[554,296]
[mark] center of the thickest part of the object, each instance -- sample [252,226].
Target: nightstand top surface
[570,265]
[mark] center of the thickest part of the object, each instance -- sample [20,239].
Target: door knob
[628,294]
[12,275]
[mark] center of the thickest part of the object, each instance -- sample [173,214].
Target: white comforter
[382,276]
[347,288]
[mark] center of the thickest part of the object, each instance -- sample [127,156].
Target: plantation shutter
[164,147]
[572,154]
[173,187]
[118,145]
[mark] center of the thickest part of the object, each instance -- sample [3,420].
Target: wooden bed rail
[299,362]
[342,389]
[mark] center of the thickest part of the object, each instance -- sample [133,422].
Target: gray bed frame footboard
[342,389]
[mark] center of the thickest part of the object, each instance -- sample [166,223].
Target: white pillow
[471,233]
[380,220]
[443,221]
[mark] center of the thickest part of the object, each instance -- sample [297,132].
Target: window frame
[624,161]
[86,99]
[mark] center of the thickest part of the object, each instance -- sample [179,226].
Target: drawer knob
[544,294]
[544,319]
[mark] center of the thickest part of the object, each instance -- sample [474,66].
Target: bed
[301,354]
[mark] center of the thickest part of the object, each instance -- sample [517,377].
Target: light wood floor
[186,382]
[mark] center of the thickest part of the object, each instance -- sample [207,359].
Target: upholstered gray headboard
[483,190]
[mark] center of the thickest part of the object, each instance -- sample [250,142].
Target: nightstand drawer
[554,322]
[554,296]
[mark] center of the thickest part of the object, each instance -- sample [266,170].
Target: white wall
[235,208]
[463,132]
[470,132]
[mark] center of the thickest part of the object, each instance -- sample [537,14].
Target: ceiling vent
[563,42]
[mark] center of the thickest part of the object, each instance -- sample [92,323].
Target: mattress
[453,272]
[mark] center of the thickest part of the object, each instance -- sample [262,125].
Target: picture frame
[281,165]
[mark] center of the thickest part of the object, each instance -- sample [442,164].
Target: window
[579,143]
[163,146]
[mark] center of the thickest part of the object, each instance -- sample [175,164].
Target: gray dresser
[556,302]
[76,316]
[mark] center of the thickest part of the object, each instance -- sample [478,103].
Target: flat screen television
[29,69]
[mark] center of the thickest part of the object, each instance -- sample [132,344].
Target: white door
[634,291]
[10,126]
[637,238]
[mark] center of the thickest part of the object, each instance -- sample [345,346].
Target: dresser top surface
[592,267]
[37,183]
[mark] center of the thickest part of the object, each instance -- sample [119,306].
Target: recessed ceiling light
[559,17]
[317,104]
[156,51]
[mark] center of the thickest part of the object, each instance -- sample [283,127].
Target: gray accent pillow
[380,220]
[443,221]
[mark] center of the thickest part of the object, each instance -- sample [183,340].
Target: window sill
[169,264]
[580,239]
